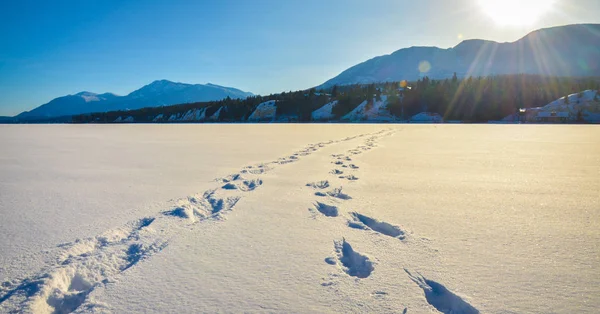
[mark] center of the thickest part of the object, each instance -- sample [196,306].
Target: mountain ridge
[569,50]
[157,93]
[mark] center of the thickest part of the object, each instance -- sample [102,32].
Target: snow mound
[324,113]
[265,111]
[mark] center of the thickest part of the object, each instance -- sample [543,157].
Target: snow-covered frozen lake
[300,218]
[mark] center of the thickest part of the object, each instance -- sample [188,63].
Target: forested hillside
[473,99]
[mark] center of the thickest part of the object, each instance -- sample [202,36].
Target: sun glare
[516,12]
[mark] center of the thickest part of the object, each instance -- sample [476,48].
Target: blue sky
[54,48]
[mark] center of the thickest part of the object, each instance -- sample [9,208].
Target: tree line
[471,99]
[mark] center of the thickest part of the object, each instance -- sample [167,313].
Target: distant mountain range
[158,93]
[571,50]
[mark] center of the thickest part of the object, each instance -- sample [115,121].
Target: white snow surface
[299,218]
[324,113]
[265,111]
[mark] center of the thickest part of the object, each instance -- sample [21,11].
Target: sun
[516,12]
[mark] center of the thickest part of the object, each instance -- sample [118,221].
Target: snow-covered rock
[265,111]
[173,117]
[158,118]
[377,112]
[358,113]
[120,119]
[216,115]
[194,115]
[426,117]
[324,113]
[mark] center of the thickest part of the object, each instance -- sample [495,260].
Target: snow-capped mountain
[158,93]
[572,50]
[68,105]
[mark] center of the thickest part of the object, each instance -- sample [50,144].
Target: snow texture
[449,219]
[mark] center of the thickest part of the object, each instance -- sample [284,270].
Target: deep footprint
[246,185]
[250,185]
[365,222]
[441,298]
[230,178]
[337,193]
[218,205]
[327,210]
[354,263]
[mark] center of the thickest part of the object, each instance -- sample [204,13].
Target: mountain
[571,50]
[157,93]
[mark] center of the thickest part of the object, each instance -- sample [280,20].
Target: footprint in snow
[364,222]
[440,297]
[352,262]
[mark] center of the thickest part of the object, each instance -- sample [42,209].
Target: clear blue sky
[54,48]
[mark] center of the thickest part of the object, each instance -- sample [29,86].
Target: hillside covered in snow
[577,107]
